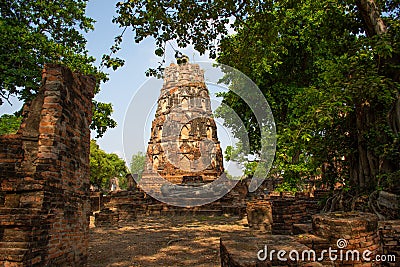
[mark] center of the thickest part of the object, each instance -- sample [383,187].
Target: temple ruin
[44,175]
[184,146]
[45,203]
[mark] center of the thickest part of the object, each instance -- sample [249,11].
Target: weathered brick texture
[281,214]
[183,144]
[121,208]
[389,238]
[44,176]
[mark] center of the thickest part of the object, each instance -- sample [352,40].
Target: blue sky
[126,81]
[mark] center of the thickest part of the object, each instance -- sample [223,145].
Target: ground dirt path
[163,241]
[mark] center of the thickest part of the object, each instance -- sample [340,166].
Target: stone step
[241,250]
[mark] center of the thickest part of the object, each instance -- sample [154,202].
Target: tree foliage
[105,166]
[329,70]
[330,88]
[236,153]
[138,163]
[34,33]
[9,124]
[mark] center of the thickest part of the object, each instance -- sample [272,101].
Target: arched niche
[164,105]
[203,104]
[203,94]
[185,103]
[156,162]
[184,163]
[159,133]
[209,132]
[213,162]
[185,132]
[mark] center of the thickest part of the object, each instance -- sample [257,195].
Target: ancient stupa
[183,146]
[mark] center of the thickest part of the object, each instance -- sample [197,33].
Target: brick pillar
[44,175]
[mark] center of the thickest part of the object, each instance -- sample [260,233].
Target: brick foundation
[240,250]
[295,219]
[282,214]
[44,174]
[389,235]
[358,229]
[120,208]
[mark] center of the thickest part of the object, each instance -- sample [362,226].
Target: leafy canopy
[330,87]
[9,124]
[34,33]
[138,163]
[105,166]
[329,73]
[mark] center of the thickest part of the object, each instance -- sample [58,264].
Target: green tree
[9,124]
[33,33]
[105,166]
[330,89]
[329,70]
[138,163]
[236,154]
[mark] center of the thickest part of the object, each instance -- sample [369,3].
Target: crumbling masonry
[184,146]
[44,176]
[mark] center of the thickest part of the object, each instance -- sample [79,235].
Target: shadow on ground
[162,241]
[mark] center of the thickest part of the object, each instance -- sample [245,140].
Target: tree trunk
[394,116]
[375,26]
[373,22]
[364,164]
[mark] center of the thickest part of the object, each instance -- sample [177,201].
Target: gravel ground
[163,241]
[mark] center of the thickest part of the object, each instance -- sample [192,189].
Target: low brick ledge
[240,250]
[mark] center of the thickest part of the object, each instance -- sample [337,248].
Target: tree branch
[371,17]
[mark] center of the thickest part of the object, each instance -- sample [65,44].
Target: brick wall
[358,229]
[389,235]
[121,208]
[288,210]
[44,176]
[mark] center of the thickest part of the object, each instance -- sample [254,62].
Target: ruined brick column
[184,146]
[349,231]
[44,175]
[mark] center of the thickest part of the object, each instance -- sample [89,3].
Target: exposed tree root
[334,203]
[345,201]
[353,202]
[328,205]
[372,204]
